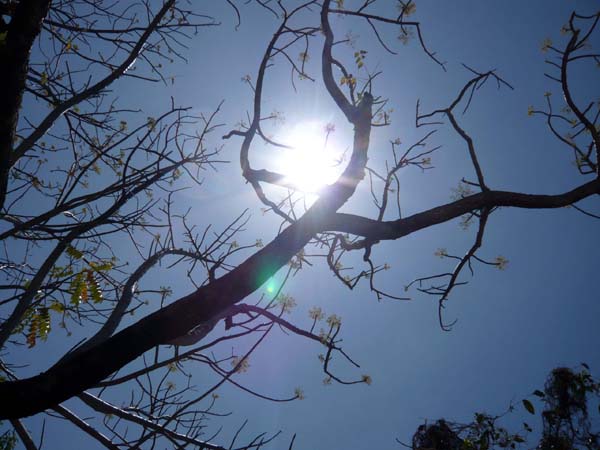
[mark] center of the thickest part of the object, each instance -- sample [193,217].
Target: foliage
[566,424]
[8,440]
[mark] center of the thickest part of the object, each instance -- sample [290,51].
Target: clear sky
[513,326]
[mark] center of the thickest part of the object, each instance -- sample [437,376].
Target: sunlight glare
[311,163]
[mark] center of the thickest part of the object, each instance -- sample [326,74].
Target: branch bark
[29,396]
[25,25]
[395,229]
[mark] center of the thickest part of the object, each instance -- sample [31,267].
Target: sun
[312,162]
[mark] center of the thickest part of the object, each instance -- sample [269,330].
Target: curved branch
[399,21]
[326,66]
[32,395]
[573,45]
[395,229]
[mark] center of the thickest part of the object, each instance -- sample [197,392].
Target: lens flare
[271,287]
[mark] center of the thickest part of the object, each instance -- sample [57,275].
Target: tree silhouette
[81,174]
[566,424]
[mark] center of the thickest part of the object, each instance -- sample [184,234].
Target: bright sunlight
[313,162]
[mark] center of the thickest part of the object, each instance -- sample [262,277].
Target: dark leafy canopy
[566,423]
[96,173]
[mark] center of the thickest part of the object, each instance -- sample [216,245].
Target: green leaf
[77,286]
[44,323]
[151,123]
[8,440]
[39,326]
[539,393]
[104,266]
[57,306]
[528,406]
[94,287]
[74,253]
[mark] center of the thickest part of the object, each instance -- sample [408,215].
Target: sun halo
[312,161]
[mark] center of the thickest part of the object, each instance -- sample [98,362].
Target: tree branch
[25,25]
[29,396]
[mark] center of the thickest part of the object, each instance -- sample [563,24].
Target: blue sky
[513,325]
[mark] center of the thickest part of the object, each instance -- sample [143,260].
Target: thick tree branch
[25,25]
[65,379]
[327,67]
[375,230]
[85,427]
[25,397]
[23,435]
